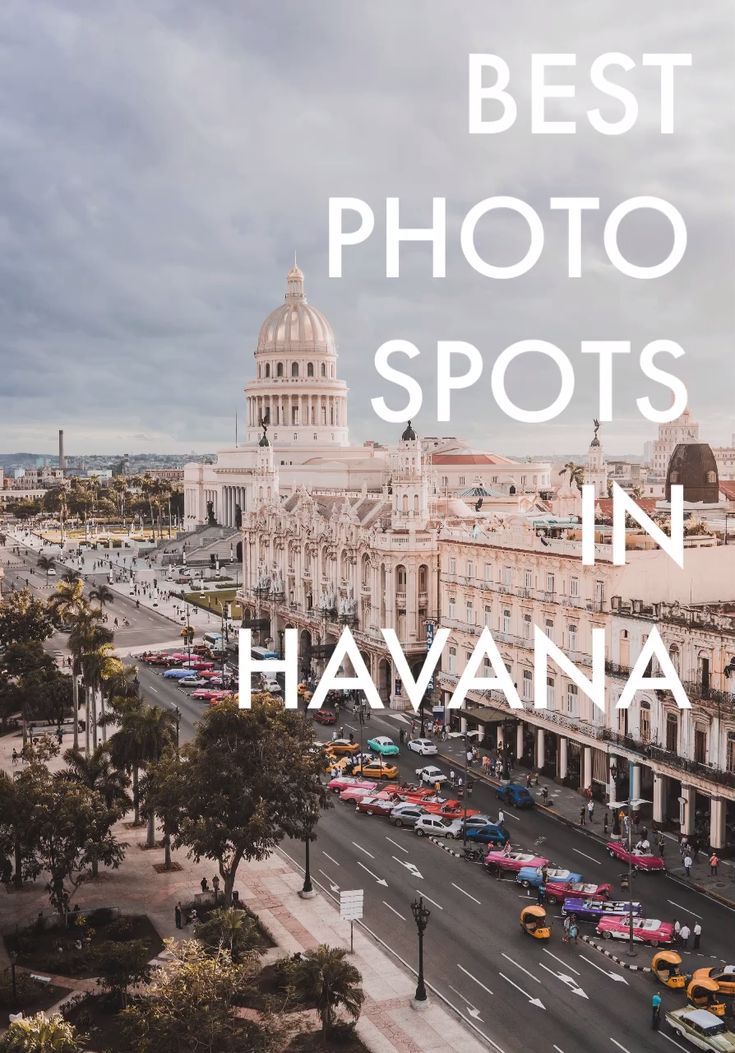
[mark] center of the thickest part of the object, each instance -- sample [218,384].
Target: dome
[296,325]
[693,466]
[409,434]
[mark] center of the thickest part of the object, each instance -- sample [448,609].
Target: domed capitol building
[299,402]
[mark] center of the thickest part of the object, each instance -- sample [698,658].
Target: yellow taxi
[376,770]
[723,976]
[341,746]
[337,765]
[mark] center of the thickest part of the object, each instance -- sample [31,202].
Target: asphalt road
[517,992]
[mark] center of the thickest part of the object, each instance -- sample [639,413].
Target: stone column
[587,767]
[540,743]
[519,740]
[501,737]
[659,798]
[563,757]
[635,781]
[717,822]
[686,810]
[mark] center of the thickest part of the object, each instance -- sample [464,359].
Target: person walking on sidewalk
[684,936]
[677,930]
[688,865]
[583,815]
[656,1011]
[697,930]
[590,810]
[178,915]
[714,863]
[661,845]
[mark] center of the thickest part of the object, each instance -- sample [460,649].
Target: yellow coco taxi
[666,967]
[376,770]
[534,923]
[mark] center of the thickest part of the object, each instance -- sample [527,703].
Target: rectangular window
[452,660]
[488,572]
[506,621]
[645,724]
[572,693]
[572,637]
[527,627]
[527,579]
[527,685]
[574,586]
[470,568]
[507,576]
[549,628]
[672,733]
[445,481]
[451,607]
[470,612]
[452,565]
[550,583]
[700,746]
[730,758]
[550,692]
[461,480]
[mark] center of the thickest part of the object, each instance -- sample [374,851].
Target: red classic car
[645,930]
[447,808]
[512,861]
[556,892]
[410,792]
[639,860]
[341,782]
[355,793]
[376,804]
[208,694]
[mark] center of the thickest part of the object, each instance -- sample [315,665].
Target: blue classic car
[384,746]
[532,877]
[594,909]
[489,834]
[515,794]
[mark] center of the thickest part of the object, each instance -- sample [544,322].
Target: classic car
[512,861]
[341,782]
[645,930]
[594,909]
[533,878]
[703,1029]
[376,804]
[383,745]
[639,860]
[515,794]
[558,891]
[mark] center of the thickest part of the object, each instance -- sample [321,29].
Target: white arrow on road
[332,886]
[473,1011]
[565,979]
[380,880]
[613,976]
[410,866]
[532,1001]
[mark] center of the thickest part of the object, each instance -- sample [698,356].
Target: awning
[485,715]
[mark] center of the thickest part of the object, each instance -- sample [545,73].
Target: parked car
[533,878]
[355,793]
[376,769]
[702,1028]
[478,820]
[176,674]
[431,775]
[341,782]
[594,909]
[192,681]
[384,746]
[558,891]
[723,976]
[324,716]
[406,814]
[639,860]
[435,826]
[207,694]
[516,795]
[425,747]
[489,834]
[376,804]
[341,746]
[645,930]
[512,861]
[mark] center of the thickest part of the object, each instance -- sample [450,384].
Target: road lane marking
[533,1001]
[557,1049]
[332,883]
[400,847]
[330,858]
[559,960]
[685,909]
[411,867]
[471,1009]
[511,816]
[363,850]
[380,880]
[612,975]
[394,911]
[673,1041]
[591,858]
[508,958]
[420,893]
[154,689]
[478,982]
[466,894]
[616,1043]
[568,981]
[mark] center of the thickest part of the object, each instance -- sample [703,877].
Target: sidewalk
[388,1024]
[564,806]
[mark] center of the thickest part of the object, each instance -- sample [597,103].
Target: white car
[192,681]
[435,826]
[423,746]
[431,775]
[703,1029]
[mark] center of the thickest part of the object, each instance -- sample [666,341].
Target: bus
[262,654]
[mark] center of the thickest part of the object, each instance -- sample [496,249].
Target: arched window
[324,370]
[267,369]
[294,369]
[401,576]
[310,369]
[279,369]
[674,656]
[711,477]
[423,578]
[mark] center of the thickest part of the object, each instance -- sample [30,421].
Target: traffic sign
[351,904]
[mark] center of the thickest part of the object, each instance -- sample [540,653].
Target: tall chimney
[62,461]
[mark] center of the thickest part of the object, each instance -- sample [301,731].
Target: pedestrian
[470,756]
[605,823]
[451,776]
[582,815]
[661,845]
[470,786]
[714,861]
[656,1011]
[486,763]
[204,885]
[573,930]
[588,793]
[437,787]
[501,817]
[688,865]
[15,761]
[460,787]
[566,924]
[177,915]
[677,930]
[528,781]
[684,935]
[590,810]
[341,731]
[540,895]
[697,930]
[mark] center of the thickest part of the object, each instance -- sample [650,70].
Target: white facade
[682,430]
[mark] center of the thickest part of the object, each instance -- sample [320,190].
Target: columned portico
[659,798]
[563,757]
[686,810]
[717,826]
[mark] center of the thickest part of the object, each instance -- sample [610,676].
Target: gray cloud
[159,162]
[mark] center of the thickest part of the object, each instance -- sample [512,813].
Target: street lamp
[307,892]
[13,959]
[421,916]
[177,716]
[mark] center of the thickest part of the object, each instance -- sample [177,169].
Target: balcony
[622,671]
[671,758]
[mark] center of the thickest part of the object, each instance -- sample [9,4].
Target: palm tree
[144,733]
[86,636]
[46,563]
[69,606]
[42,1034]
[97,772]
[102,594]
[329,980]
[99,664]
[575,473]
[71,575]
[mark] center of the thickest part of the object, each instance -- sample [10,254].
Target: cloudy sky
[161,160]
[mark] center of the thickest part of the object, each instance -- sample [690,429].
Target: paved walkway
[388,1024]
[565,805]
